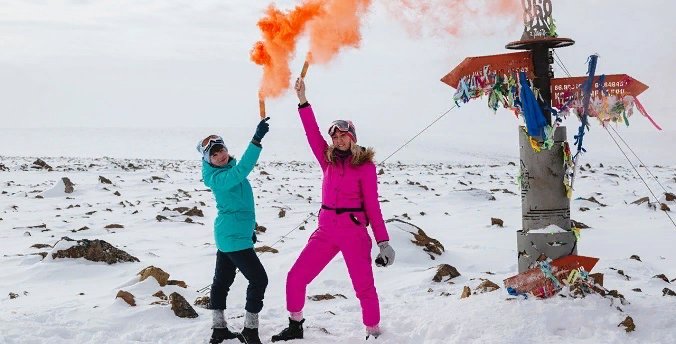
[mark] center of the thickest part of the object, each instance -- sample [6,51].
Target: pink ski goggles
[343,126]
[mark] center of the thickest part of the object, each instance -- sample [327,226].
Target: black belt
[344,210]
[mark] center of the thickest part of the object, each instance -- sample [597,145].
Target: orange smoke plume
[456,17]
[332,25]
[336,24]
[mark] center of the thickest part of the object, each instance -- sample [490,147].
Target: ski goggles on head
[344,126]
[210,142]
[204,146]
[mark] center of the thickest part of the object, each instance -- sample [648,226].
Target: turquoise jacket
[236,221]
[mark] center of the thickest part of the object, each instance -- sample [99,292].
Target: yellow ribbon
[534,145]
[573,276]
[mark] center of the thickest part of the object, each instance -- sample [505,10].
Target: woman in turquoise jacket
[234,231]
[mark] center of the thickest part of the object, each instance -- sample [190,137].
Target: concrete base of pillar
[553,245]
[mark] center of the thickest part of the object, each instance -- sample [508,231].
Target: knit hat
[205,146]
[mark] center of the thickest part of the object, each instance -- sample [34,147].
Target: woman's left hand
[386,254]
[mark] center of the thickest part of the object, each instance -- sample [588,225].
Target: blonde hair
[358,153]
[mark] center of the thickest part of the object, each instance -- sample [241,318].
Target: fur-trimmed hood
[360,155]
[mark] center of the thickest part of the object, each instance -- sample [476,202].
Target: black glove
[254,238]
[262,129]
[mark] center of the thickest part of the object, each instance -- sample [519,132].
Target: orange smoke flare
[303,73]
[261,106]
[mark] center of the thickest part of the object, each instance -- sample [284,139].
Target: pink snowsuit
[344,186]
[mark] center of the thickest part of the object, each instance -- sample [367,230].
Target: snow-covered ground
[73,300]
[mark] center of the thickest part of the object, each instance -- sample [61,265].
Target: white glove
[386,255]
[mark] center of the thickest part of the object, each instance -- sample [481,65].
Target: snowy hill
[73,300]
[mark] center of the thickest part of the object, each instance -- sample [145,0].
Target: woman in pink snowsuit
[349,204]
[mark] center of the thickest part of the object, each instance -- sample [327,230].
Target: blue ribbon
[587,88]
[535,121]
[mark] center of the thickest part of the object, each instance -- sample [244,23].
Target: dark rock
[194,212]
[70,187]
[621,272]
[161,218]
[430,245]
[117,193]
[38,246]
[496,221]
[94,250]
[325,297]
[180,209]
[266,249]
[160,276]
[629,324]
[178,283]
[79,230]
[127,297]
[662,277]
[580,225]
[203,302]
[583,209]
[161,295]
[181,307]
[260,229]
[635,257]
[282,213]
[670,197]
[667,291]
[13,296]
[466,292]
[616,294]
[381,172]
[114,225]
[445,270]
[487,286]
[638,290]
[641,201]
[104,180]
[39,164]
[593,200]
[665,207]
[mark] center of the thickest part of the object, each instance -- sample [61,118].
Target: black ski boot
[221,334]
[294,331]
[374,335]
[249,336]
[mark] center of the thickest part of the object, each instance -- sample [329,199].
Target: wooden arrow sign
[619,85]
[500,64]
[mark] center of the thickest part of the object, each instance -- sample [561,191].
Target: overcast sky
[185,63]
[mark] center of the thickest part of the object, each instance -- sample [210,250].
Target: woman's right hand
[300,90]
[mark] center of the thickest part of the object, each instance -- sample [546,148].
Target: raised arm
[312,132]
[369,188]
[227,179]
